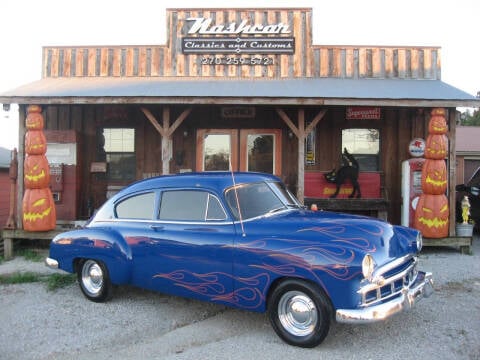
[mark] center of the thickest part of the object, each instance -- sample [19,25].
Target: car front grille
[388,282]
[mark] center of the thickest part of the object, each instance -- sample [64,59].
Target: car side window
[190,205]
[137,207]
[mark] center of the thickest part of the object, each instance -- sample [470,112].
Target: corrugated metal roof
[328,91]
[467,139]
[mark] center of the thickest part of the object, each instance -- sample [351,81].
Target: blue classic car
[243,240]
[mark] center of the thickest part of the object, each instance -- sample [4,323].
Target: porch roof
[304,91]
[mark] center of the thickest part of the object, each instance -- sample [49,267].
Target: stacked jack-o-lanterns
[38,206]
[432,212]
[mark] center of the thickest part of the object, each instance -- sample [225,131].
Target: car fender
[105,245]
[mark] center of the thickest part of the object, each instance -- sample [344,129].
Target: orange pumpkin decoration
[36,172]
[434,177]
[34,109]
[38,210]
[437,125]
[438,111]
[34,121]
[436,147]
[432,216]
[35,142]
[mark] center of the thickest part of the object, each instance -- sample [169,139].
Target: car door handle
[157,227]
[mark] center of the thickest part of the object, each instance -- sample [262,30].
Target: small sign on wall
[363,113]
[98,167]
[231,112]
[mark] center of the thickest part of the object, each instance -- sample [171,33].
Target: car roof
[217,180]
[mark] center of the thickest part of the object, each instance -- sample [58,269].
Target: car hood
[337,233]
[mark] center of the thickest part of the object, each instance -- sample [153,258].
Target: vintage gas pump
[412,180]
[64,172]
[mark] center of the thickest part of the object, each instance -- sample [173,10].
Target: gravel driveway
[137,324]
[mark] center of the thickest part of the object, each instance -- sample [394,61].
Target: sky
[27,25]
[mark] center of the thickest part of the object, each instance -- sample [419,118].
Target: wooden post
[452,161]
[167,151]
[166,131]
[301,156]
[301,133]
[22,114]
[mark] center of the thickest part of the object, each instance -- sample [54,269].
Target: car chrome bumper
[422,287]
[51,263]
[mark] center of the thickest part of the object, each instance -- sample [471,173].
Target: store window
[120,154]
[364,145]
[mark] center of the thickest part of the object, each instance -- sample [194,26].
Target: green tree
[469,118]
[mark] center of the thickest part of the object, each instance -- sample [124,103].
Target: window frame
[108,177]
[378,155]
[206,220]
[134,195]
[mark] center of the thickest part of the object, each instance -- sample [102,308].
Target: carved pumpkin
[436,147]
[34,121]
[38,210]
[35,142]
[36,172]
[438,111]
[34,109]
[437,125]
[432,215]
[434,177]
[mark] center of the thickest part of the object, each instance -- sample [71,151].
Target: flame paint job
[230,262]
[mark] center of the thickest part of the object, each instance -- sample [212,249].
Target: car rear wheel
[94,280]
[299,313]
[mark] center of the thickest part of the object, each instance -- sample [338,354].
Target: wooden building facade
[236,88]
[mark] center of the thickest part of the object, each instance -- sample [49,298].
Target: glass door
[217,149]
[261,150]
[246,150]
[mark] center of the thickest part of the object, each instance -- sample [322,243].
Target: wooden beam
[166,131]
[153,121]
[22,111]
[315,121]
[301,133]
[301,155]
[287,121]
[179,121]
[452,162]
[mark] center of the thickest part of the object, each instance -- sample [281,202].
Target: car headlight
[419,241]
[368,266]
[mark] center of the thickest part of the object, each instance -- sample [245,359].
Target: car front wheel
[94,280]
[299,313]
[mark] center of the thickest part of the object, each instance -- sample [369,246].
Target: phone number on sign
[224,60]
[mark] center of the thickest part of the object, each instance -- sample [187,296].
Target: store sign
[259,39]
[203,26]
[363,113]
[229,112]
[416,148]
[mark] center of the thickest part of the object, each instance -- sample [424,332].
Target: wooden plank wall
[307,61]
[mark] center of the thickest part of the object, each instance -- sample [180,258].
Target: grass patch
[19,278]
[30,255]
[52,281]
[58,281]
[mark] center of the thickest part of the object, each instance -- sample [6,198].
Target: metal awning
[303,91]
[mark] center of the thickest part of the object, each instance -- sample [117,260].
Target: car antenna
[237,201]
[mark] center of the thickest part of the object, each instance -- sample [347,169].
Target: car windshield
[258,199]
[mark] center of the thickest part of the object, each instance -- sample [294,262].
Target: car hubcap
[297,313]
[92,277]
